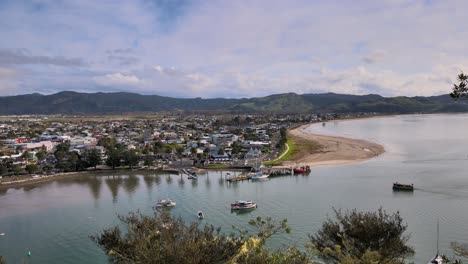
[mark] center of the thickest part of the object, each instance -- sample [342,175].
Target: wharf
[240,177]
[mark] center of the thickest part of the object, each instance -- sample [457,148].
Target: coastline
[333,150]
[4,185]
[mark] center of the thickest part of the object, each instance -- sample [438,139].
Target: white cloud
[238,48]
[117,79]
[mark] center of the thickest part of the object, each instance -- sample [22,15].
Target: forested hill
[119,103]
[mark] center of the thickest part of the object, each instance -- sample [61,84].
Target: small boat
[438,258]
[242,205]
[301,170]
[402,187]
[2,234]
[259,176]
[166,203]
[200,215]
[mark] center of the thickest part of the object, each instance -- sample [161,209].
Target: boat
[438,259]
[166,203]
[301,170]
[2,234]
[403,187]
[242,205]
[259,175]
[190,175]
[200,215]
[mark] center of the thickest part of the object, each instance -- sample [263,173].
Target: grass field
[296,148]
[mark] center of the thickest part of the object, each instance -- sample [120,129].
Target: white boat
[260,175]
[200,215]
[438,258]
[241,205]
[2,234]
[166,203]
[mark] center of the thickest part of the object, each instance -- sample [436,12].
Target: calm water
[54,220]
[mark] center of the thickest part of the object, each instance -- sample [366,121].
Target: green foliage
[163,239]
[268,227]
[131,158]
[362,235]
[105,103]
[160,238]
[32,168]
[3,170]
[1,260]
[460,90]
[114,155]
[41,154]
[93,157]
[65,147]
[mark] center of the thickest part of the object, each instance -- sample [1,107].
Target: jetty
[240,177]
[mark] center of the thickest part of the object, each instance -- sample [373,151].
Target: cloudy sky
[224,48]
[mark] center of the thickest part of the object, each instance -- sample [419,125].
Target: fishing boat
[166,203]
[301,170]
[200,215]
[242,205]
[402,187]
[259,175]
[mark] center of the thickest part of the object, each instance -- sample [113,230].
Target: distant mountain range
[121,103]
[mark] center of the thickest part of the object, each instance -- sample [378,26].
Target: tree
[32,168]
[27,155]
[114,155]
[41,155]
[460,91]
[93,156]
[65,147]
[160,238]
[357,235]
[131,158]
[149,160]
[3,169]
[221,151]
[59,155]
[193,151]
[158,147]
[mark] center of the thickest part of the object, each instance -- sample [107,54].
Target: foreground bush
[362,237]
[163,239]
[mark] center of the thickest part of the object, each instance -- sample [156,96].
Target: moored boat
[242,205]
[301,170]
[200,215]
[166,203]
[259,175]
[402,187]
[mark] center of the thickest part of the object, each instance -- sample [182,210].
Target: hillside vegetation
[121,103]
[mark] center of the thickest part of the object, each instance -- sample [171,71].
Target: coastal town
[32,147]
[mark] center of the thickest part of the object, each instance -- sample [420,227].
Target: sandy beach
[332,150]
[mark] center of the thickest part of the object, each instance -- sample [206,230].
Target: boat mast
[437,236]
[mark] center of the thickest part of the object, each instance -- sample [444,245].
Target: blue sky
[223,48]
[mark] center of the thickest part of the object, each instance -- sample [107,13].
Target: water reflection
[169,179]
[157,179]
[130,184]
[148,179]
[113,183]
[94,183]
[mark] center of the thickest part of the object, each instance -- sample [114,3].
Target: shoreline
[334,150]
[4,185]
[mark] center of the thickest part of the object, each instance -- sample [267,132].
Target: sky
[223,48]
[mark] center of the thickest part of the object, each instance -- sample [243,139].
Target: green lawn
[286,155]
[218,166]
